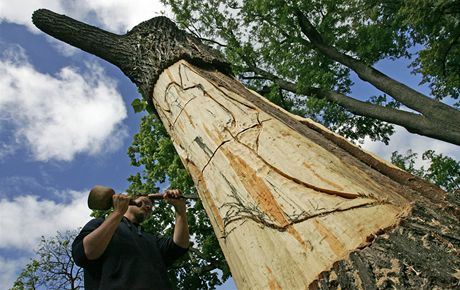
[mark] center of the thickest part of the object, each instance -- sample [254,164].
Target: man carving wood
[117,254]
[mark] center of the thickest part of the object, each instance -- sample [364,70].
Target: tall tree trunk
[293,205]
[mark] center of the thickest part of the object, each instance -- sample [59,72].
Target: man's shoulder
[155,237]
[94,223]
[97,220]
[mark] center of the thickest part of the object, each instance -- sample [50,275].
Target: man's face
[143,212]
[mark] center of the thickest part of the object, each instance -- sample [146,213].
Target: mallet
[100,197]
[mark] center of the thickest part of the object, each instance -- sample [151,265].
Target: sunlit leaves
[138,105]
[434,27]
[265,34]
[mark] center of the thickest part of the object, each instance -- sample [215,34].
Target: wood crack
[228,140]
[342,194]
[183,108]
[239,212]
[214,153]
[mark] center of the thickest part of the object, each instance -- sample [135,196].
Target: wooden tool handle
[159,196]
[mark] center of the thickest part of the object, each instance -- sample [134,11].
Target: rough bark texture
[141,54]
[294,206]
[422,252]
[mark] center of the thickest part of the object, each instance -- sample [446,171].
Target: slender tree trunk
[293,205]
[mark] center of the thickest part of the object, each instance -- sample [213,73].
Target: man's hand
[120,203]
[172,196]
[95,243]
[181,235]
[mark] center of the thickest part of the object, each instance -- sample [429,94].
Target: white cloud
[402,141]
[115,15]
[10,270]
[24,219]
[63,115]
[20,11]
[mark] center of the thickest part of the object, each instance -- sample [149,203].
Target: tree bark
[141,54]
[293,205]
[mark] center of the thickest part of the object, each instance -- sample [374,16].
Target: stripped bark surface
[283,198]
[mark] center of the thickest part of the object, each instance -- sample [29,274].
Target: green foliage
[427,30]
[435,24]
[266,35]
[139,105]
[28,279]
[153,152]
[53,268]
[442,170]
[348,125]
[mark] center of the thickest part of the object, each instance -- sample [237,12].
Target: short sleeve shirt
[133,259]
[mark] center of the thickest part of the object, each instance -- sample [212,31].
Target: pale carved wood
[284,209]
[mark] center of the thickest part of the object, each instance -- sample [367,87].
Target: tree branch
[253,78]
[447,50]
[419,102]
[86,37]
[212,41]
[412,122]
[142,54]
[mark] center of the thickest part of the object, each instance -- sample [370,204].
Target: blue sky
[66,123]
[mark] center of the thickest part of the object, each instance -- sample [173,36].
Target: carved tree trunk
[293,205]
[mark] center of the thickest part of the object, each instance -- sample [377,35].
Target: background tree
[53,268]
[442,170]
[302,53]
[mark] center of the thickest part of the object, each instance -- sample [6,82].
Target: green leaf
[139,105]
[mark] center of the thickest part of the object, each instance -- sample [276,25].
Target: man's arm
[181,235]
[96,242]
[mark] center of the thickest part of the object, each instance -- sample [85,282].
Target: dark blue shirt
[133,259]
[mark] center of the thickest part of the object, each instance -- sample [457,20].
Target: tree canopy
[300,54]
[442,170]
